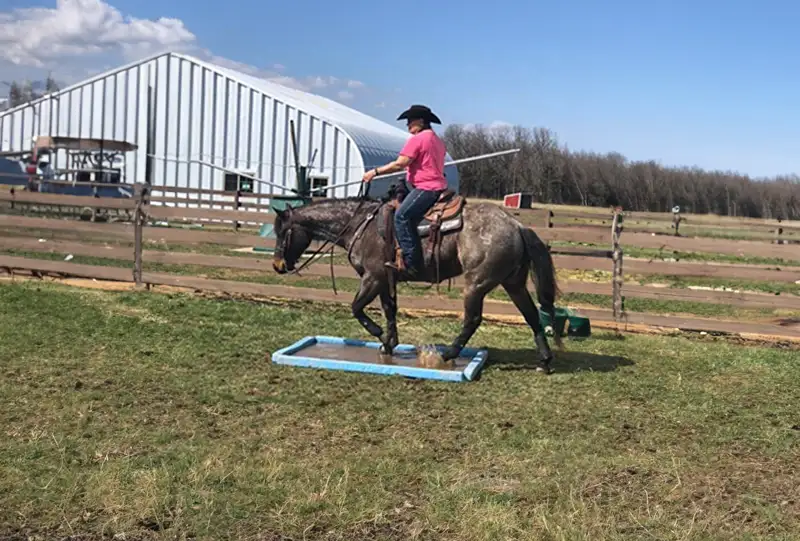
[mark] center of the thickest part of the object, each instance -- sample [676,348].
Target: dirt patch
[790,322]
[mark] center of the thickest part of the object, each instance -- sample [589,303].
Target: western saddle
[444,217]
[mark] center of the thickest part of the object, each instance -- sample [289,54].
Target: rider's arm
[392,167]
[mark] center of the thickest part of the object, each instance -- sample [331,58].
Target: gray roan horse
[490,248]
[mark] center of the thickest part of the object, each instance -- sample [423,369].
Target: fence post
[139,194]
[676,220]
[236,205]
[617,276]
[778,233]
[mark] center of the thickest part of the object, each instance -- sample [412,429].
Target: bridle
[363,194]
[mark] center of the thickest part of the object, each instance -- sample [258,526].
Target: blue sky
[707,83]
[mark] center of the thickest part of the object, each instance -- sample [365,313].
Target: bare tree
[554,174]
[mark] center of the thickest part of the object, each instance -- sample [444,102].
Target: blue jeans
[406,220]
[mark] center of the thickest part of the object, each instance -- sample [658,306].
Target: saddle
[445,216]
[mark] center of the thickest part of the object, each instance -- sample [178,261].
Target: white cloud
[323,82]
[381,105]
[77,38]
[496,126]
[311,83]
[268,74]
[40,36]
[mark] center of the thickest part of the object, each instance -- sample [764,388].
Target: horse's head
[291,240]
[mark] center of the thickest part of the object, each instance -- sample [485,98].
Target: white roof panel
[377,141]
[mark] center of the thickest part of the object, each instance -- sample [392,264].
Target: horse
[487,246]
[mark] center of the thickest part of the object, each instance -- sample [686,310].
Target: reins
[363,193]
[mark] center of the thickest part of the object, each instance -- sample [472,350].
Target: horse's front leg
[389,304]
[370,288]
[473,316]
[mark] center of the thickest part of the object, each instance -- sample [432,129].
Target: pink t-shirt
[426,170]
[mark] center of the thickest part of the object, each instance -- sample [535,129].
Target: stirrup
[402,272]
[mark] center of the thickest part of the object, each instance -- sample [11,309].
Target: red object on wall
[512,200]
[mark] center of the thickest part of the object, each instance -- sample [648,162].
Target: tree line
[553,174]
[21,92]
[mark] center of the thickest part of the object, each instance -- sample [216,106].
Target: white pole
[454,162]
[388,175]
[214,166]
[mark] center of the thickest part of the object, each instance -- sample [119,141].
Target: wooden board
[669,243]
[748,300]
[698,220]
[572,262]
[577,234]
[217,204]
[170,213]
[68,200]
[78,229]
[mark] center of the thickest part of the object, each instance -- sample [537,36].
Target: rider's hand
[369,175]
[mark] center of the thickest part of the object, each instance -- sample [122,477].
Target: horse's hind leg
[515,287]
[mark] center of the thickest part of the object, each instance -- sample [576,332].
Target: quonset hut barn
[202,123]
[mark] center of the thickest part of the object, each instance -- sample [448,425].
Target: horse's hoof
[450,353]
[385,350]
[544,369]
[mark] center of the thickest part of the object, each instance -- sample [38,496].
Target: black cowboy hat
[417,112]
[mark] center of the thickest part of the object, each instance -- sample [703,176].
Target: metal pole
[225,169]
[284,188]
[454,162]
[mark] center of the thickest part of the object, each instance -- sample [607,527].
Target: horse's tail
[543,273]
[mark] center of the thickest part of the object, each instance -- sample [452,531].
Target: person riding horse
[423,156]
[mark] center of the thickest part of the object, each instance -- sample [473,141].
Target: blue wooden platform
[293,356]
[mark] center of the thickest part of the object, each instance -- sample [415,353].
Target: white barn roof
[378,141]
[371,135]
[363,141]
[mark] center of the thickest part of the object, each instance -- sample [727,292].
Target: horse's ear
[285,214]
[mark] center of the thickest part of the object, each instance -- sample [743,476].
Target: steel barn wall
[212,114]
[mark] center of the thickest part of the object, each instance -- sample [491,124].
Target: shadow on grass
[565,362]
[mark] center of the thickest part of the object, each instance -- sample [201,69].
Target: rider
[423,156]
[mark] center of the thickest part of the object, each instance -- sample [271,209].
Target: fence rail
[69,236]
[579,234]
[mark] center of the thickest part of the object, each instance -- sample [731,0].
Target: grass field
[158,417]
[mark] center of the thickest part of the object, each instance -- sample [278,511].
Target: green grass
[351,285]
[157,416]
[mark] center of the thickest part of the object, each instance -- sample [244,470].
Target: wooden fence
[70,236]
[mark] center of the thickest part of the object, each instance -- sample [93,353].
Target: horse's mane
[334,200]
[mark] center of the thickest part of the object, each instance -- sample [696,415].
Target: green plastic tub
[567,323]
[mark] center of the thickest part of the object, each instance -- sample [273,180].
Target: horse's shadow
[564,362]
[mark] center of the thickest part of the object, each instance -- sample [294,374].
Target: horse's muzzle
[280,266]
